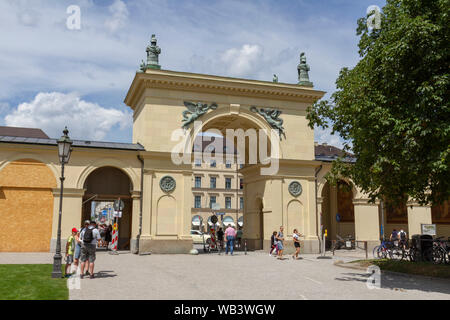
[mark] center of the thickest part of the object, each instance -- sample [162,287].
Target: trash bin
[421,243]
[426,242]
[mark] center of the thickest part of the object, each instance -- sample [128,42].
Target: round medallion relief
[295,188]
[167,184]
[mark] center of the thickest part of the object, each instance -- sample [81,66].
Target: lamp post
[64,150]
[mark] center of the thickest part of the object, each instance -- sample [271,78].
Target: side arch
[55,169]
[109,162]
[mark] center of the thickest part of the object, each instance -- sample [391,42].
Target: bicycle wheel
[412,255]
[438,255]
[375,252]
[396,254]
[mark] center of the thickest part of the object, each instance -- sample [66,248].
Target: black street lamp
[64,150]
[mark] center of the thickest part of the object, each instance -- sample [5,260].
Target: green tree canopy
[392,108]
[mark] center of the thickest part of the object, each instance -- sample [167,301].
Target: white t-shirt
[296,237]
[95,234]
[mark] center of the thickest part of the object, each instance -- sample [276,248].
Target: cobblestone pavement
[252,276]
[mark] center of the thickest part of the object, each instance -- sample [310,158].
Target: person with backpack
[89,237]
[78,244]
[394,236]
[403,239]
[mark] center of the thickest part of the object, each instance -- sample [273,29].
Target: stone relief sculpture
[303,69]
[167,184]
[295,188]
[272,117]
[195,111]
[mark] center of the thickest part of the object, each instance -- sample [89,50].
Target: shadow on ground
[402,282]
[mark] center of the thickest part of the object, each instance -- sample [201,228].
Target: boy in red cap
[70,247]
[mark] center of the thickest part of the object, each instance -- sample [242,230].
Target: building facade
[166,194]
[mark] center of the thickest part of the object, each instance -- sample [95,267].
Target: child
[70,247]
[273,243]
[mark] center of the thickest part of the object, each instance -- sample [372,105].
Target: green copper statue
[272,117]
[153,52]
[275,78]
[303,69]
[195,111]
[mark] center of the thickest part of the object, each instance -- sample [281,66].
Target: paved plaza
[252,276]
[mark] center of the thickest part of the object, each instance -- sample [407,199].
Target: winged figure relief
[272,117]
[195,111]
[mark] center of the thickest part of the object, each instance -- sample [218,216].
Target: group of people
[82,245]
[277,243]
[399,236]
[231,237]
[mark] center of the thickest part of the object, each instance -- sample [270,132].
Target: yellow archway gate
[165,103]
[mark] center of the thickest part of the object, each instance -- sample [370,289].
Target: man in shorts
[89,237]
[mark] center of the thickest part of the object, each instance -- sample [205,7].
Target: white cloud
[324,135]
[52,111]
[242,61]
[119,16]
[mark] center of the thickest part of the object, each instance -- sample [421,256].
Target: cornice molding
[165,79]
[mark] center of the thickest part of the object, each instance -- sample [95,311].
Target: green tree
[392,108]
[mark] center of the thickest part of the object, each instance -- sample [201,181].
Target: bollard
[322,256]
[245,246]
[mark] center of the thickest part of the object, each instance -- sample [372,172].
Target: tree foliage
[392,108]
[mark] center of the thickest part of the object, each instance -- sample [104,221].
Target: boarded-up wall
[26,206]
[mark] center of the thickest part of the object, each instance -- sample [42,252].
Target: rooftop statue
[303,69]
[195,111]
[153,52]
[272,117]
[275,78]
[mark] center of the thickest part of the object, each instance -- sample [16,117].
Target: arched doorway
[26,206]
[250,140]
[345,209]
[102,187]
[338,213]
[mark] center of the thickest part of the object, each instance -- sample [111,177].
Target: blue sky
[52,76]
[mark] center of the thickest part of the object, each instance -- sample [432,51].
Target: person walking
[238,238]
[70,248]
[108,236]
[273,244]
[230,235]
[296,237]
[89,237]
[220,238]
[280,247]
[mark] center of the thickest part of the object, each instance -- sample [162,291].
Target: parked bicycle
[439,252]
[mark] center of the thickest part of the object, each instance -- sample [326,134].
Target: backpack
[403,235]
[88,235]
